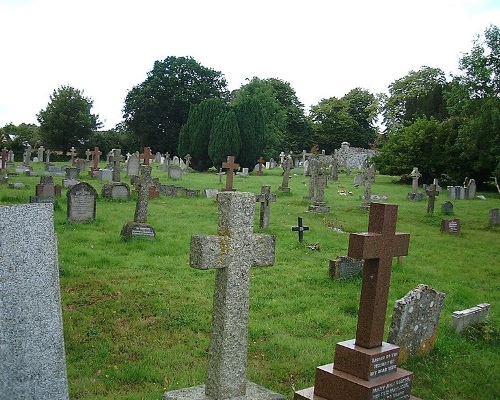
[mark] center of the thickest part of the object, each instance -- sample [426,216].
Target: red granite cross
[146,156]
[261,161]
[231,167]
[377,247]
[96,158]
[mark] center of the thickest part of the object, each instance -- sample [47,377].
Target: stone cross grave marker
[27,156]
[265,198]
[415,175]
[88,153]
[47,156]
[260,161]
[96,157]
[72,153]
[231,253]
[3,168]
[318,184]
[32,360]
[300,228]
[231,167]
[188,160]
[117,156]
[146,156]
[432,193]
[40,152]
[287,165]
[366,368]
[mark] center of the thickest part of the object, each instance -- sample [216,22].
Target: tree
[224,138]
[195,134]
[252,127]
[67,120]
[156,109]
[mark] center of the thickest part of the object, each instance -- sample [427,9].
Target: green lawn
[137,317]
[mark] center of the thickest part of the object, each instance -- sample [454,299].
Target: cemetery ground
[137,316]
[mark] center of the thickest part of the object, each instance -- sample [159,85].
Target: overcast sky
[323,48]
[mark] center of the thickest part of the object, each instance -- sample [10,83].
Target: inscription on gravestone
[81,203]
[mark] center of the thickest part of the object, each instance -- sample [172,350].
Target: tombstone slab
[116,191]
[415,320]
[32,360]
[344,267]
[471,316]
[81,204]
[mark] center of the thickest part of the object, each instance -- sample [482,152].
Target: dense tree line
[449,128]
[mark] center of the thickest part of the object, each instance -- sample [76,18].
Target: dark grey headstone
[494,216]
[447,207]
[32,361]
[82,200]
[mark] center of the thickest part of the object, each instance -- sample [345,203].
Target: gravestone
[232,253]
[415,175]
[471,189]
[344,267]
[175,172]
[81,204]
[40,152]
[450,226]
[300,228]
[133,165]
[494,216]
[231,166]
[447,207]
[432,193]
[358,179]
[3,166]
[265,198]
[32,358]
[146,156]
[46,188]
[366,368]
[188,161]
[319,179]
[415,321]
[96,156]
[259,168]
[71,177]
[368,179]
[287,166]
[471,316]
[139,228]
[157,157]
[116,190]
[212,193]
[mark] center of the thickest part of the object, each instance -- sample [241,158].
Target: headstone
[265,198]
[211,193]
[232,253]
[287,166]
[40,152]
[300,228]
[231,166]
[158,157]
[358,179]
[47,156]
[447,207]
[95,162]
[81,204]
[319,179]
[415,175]
[139,228]
[71,177]
[415,321]
[188,161]
[133,165]
[366,368]
[117,155]
[27,156]
[175,172]
[10,156]
[472,189]
[259,170]
[472,316]
[176,161]
[3,166]
[450,226]
[16,185]
[344,267]
[46,188]
[368,179]
[494,216]
[146,156]
[244,171]
[88,153]
[432,193]
[116,191]
[32,358]
[72,154]
[105,175]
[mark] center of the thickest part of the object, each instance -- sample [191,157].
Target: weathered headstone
[344,267]
[494,216]
[358,179]
[259,170]
[287,166]
[32,360]
[368,179]
[40,152]
[212,193]
[366,368]
[231,166]
[471,316]
[175,172]
[3,167]
[72,154]
[265,198]
[116,190]
[188,161]
[300,228]
[432,193]
[232,253]
[471,189]
[318,183]
[415,175]
[415,321]
[133,165]
[450,225]
[71,177]
[46,187]
[447,207]
[81,204]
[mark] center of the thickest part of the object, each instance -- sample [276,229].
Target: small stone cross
[72,153]
[188,160]
[300,228]
[377,247]
[232,253]
[88,154]
[415,175]
[96,158]
[146,156]
[141,207]
[231,167]
[117,155]
[432,193]
[4,159]
[260,161]
[265,197]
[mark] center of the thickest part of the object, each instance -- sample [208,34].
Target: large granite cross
[231,167]
[265,198]
[232,253]
[377,247]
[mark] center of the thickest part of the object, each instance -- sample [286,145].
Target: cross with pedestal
[260,161]
[265,197]
[231,253]
[432,193]
[300,228]
[146,156]
[231,166]
[72,153]
[88,153]
[4,160]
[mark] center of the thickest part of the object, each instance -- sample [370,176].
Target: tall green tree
[252,127]
[156,109]
[225,138]
[195,134]
[67,120]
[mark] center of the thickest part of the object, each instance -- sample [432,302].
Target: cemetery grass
[137,317]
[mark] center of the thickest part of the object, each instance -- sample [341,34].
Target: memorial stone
[133,165]
[344,267]
[415,175]
[32,357]
[231,166]
[287,166]
[81,204]
[450,226]
[265,198]
[471,316]
[259,169]
[3,166]
[447,207]
[494,216]
[96,156]
[300,228]
[432,193]
[232,253]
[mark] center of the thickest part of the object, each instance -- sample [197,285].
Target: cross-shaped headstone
[4,160]
[188,160]
[231,166]
[415,175]
[265,197]
[141,207]
[287,165]
[47,156]
[96,158]
[232,253]
[260,161]
[71,153]
[146,156]
[300,228]
[432,193]
[88,154]
[377,247]
[117,155]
